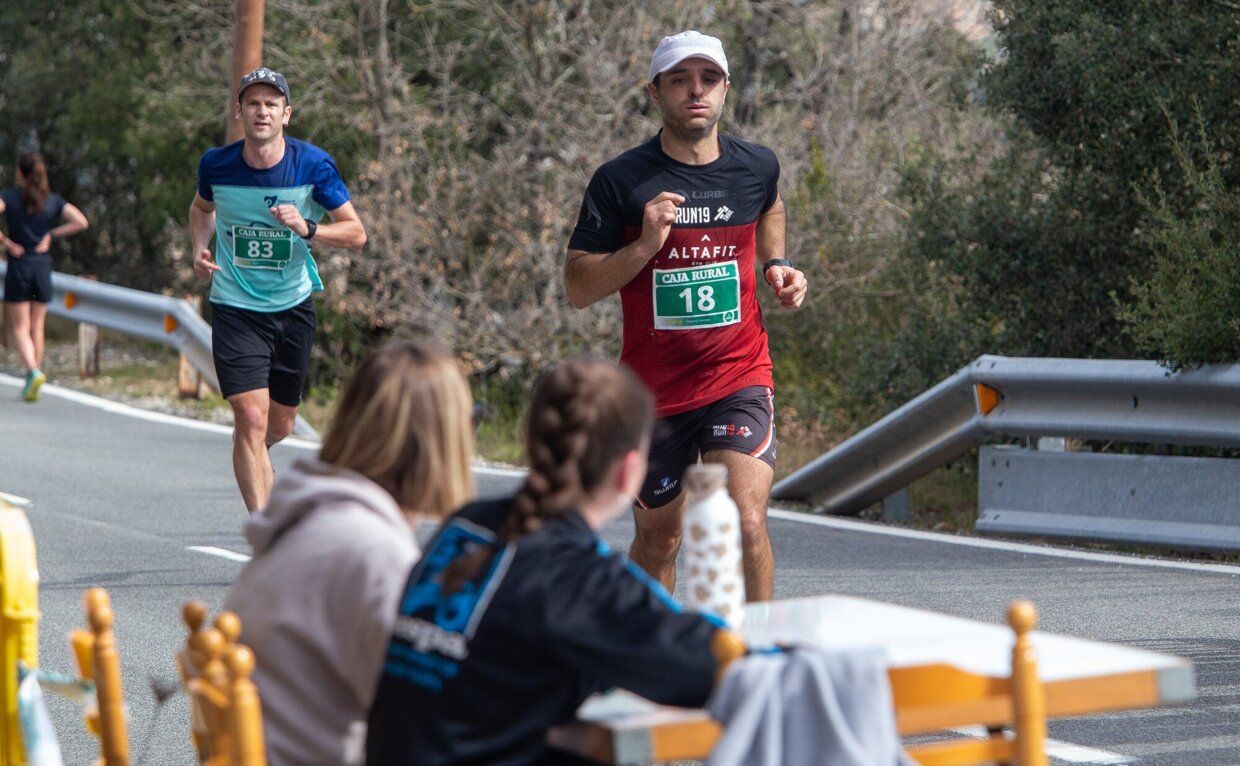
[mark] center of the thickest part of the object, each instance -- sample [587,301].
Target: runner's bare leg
[19,320]
[251,464]
[657,540]
[749,484]
[280,420]
[38,315]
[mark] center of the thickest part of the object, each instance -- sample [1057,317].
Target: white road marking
[1062,751]
[511,473]
[832,522]
[20,502]
[223,553]
[118,408]
[1066,751]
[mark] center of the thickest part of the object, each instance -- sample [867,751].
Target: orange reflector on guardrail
[71,300]
[170,323]
[987,398]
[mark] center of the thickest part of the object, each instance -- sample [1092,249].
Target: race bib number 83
[697,297]
[259,248]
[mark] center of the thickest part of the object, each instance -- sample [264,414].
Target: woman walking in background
[31,211]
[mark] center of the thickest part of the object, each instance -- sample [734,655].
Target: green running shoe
[34,381]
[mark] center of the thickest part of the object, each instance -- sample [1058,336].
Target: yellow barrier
[19,621]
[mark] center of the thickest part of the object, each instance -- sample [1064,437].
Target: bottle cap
[701,480]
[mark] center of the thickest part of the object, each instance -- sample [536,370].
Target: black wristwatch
[311,228]
[777,262]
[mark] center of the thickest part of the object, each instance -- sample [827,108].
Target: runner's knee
[278,429]
[250,420]
[661,542]
[753,524]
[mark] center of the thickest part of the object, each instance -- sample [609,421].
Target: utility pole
[247,55]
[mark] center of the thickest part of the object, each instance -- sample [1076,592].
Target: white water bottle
[712,545]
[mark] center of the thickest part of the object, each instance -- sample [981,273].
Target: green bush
[1038,252]
[1188,311]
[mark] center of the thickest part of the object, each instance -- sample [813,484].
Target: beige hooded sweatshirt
[332,552]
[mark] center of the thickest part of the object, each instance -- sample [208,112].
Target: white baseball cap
[674,49]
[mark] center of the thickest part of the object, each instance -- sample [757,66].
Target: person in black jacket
[519,611]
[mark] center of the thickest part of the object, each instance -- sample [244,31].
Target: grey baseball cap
[264,76]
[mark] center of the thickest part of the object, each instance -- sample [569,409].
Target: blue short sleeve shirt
[264,266]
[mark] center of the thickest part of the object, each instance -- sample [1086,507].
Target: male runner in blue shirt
[262,198]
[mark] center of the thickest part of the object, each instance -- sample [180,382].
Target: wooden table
[1079,677]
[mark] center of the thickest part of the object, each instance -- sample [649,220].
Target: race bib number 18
[697,297]
[259,248]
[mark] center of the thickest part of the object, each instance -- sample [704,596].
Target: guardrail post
[19,621]
[88,345]
[896,506]
[189,380]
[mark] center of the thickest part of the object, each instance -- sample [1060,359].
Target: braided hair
[585,415]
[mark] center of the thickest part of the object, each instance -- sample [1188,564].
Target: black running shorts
[29,278]
[256,349]
[743,422]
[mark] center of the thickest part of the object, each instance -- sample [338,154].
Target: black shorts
[255,349]
[29,278]
[743,422]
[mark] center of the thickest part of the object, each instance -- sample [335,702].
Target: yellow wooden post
[245,710]
[19,620]
[1029,700]
[189,662]
[114,740]
[215,705]
[726,647]
[194,613]
[229,626]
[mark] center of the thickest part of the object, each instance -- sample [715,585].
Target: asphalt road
[119,501]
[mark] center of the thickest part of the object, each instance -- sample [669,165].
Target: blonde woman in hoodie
[335,543]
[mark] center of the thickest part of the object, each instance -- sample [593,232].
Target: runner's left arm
[788,283]
[345,230]
[75,223]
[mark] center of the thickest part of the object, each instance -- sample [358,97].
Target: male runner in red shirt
[678,226]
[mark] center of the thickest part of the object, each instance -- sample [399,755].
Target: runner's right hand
[13,249]
[657,219]
[204,265]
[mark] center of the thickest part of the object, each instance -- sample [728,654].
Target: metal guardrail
[1188,503]
[160,318]
[1003,397]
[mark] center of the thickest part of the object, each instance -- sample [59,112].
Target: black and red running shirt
[692,327]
